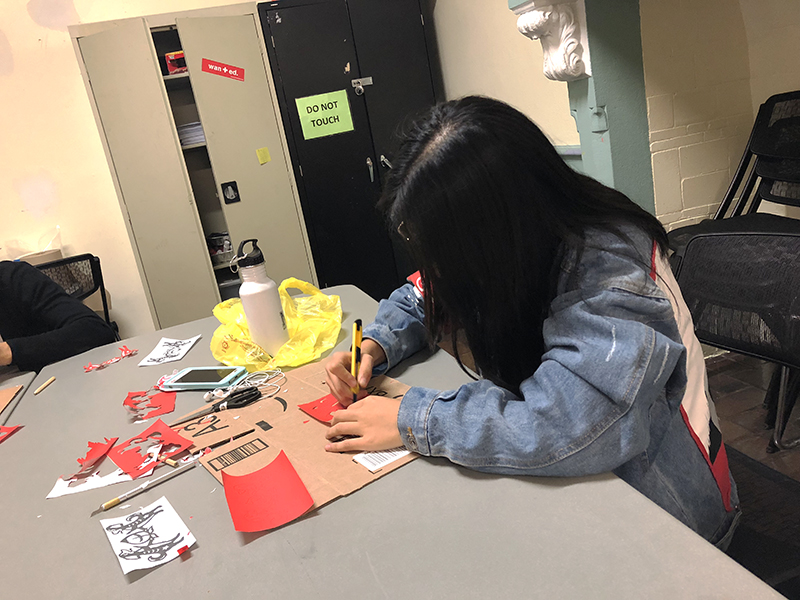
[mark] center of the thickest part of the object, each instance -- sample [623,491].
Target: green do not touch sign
[324,114]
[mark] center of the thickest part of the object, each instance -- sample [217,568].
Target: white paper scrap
[168,350]
[95,480]
[148,537]
[375,461]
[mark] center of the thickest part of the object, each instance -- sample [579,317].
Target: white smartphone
[204,378]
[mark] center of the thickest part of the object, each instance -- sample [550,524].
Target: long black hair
[485,206]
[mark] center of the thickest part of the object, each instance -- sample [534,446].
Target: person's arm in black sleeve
[45,324]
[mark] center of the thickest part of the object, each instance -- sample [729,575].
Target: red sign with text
[210,66]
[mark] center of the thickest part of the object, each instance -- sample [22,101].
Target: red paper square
[322,409]
[267,498]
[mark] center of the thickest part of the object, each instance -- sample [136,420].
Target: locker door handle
[385,162]
[359,84]
[371,170]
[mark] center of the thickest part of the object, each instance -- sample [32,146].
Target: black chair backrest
[742,287]
[779,192]
[777,128]
[80,276]
[772,155]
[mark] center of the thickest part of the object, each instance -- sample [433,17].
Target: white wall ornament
[560,26]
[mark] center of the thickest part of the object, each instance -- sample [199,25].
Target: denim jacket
[606,396]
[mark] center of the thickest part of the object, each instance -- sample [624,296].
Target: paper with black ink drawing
[168,350]
[148,537]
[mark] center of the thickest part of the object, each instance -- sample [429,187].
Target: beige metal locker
[239,119]
[170,194]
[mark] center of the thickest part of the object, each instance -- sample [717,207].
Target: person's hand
[339,378]
[373,422]
[5,354]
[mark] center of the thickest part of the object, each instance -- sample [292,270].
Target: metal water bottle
[260,300]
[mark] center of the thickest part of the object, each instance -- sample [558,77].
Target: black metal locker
[372,55]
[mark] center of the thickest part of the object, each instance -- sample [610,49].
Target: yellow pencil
[355,363]
[44,385]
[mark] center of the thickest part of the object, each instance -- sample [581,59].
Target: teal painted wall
[610,107]
[573,156]
[618,79]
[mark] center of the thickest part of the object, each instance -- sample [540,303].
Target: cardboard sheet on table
[267,498]
[212,429]
[326,475]
[312,375]
[311,379]
[268,412]
[7,395]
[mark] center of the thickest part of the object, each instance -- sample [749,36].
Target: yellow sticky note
[263,155]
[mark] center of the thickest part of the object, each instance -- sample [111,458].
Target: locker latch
[360,83]
[371,170]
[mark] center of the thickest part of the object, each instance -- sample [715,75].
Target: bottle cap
[252,258]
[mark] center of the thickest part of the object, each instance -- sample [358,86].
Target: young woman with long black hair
[559,287]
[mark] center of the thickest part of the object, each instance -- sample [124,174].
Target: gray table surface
[429,530]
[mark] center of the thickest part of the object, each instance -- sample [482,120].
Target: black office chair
[80,276]
[740,271]
[768,170]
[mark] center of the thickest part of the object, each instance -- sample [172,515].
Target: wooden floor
[738,385]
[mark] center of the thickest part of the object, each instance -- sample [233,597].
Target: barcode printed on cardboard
[232,457]
[375,461]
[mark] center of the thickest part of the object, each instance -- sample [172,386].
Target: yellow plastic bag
[313,322]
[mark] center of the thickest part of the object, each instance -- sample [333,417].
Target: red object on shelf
[176,62]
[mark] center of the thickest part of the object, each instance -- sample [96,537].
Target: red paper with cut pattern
[267,498]
[97,450]
[130,456]
[161,403]
[124,352]
[322,409]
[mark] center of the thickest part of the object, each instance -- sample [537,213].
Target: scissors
[236,399]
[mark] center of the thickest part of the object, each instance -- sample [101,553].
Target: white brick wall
[697,82]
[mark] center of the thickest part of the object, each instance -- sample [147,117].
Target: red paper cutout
[164,378]
[97,450]
[131,459]
[6,432]
[131,402]
[125,352]
[268,498]
[162,402]
[322,409]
